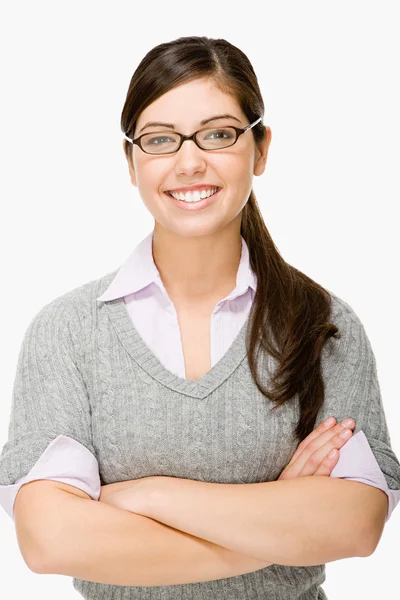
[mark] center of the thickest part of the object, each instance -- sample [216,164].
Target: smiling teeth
[193,196]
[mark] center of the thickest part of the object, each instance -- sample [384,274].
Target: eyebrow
[203,122]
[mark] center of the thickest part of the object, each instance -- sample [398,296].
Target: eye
[220,134]
[159,140]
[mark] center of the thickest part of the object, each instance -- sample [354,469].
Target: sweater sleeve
[50,409]
[352,390]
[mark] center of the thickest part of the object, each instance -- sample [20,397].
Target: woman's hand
[312,455]
[132,495]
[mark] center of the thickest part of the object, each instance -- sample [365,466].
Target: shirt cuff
[358,463]
[64,460]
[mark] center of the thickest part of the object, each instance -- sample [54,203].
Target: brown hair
[290,311]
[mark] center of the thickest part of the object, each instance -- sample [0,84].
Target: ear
[131,168]
[261,152]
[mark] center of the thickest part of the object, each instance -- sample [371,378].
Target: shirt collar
[139,270]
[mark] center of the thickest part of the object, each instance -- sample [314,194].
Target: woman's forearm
[102,543]
[302,522]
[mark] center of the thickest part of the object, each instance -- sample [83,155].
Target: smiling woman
[199,365]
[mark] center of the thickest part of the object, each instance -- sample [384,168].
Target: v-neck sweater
[85,372]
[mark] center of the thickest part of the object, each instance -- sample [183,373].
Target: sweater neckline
[143,355]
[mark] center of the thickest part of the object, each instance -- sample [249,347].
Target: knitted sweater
[84,373]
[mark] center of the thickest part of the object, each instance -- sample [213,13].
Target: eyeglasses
[168,142]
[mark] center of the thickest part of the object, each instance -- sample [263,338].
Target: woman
[203,364]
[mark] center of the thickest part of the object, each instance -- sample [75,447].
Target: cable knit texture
[84,372]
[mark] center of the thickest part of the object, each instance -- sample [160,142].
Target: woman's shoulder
[352,341]
[76,307]
[342,312]
[88,292]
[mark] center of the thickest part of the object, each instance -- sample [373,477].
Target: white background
[328,72]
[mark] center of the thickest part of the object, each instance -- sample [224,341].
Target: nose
[189,158]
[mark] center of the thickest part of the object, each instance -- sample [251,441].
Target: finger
[325,468]
[328,464]
[304,458]
[322,427]
[315,438]
[316,458]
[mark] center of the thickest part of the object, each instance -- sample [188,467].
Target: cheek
[230,169]
[240,176]
[239,164]
[151,178]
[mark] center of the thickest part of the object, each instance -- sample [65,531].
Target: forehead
[187,104]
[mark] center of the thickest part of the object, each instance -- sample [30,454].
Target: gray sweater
[84,372]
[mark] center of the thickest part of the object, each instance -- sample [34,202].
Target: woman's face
[231,168]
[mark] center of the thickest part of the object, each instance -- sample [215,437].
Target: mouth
[195,204]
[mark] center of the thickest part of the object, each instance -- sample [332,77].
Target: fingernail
[348,423]
[332,454]
[329,421]
[346,433]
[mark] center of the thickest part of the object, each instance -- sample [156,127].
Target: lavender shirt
[154,316]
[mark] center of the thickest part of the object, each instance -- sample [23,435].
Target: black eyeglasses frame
[239,131]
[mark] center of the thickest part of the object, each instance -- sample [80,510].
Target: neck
[200,269]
